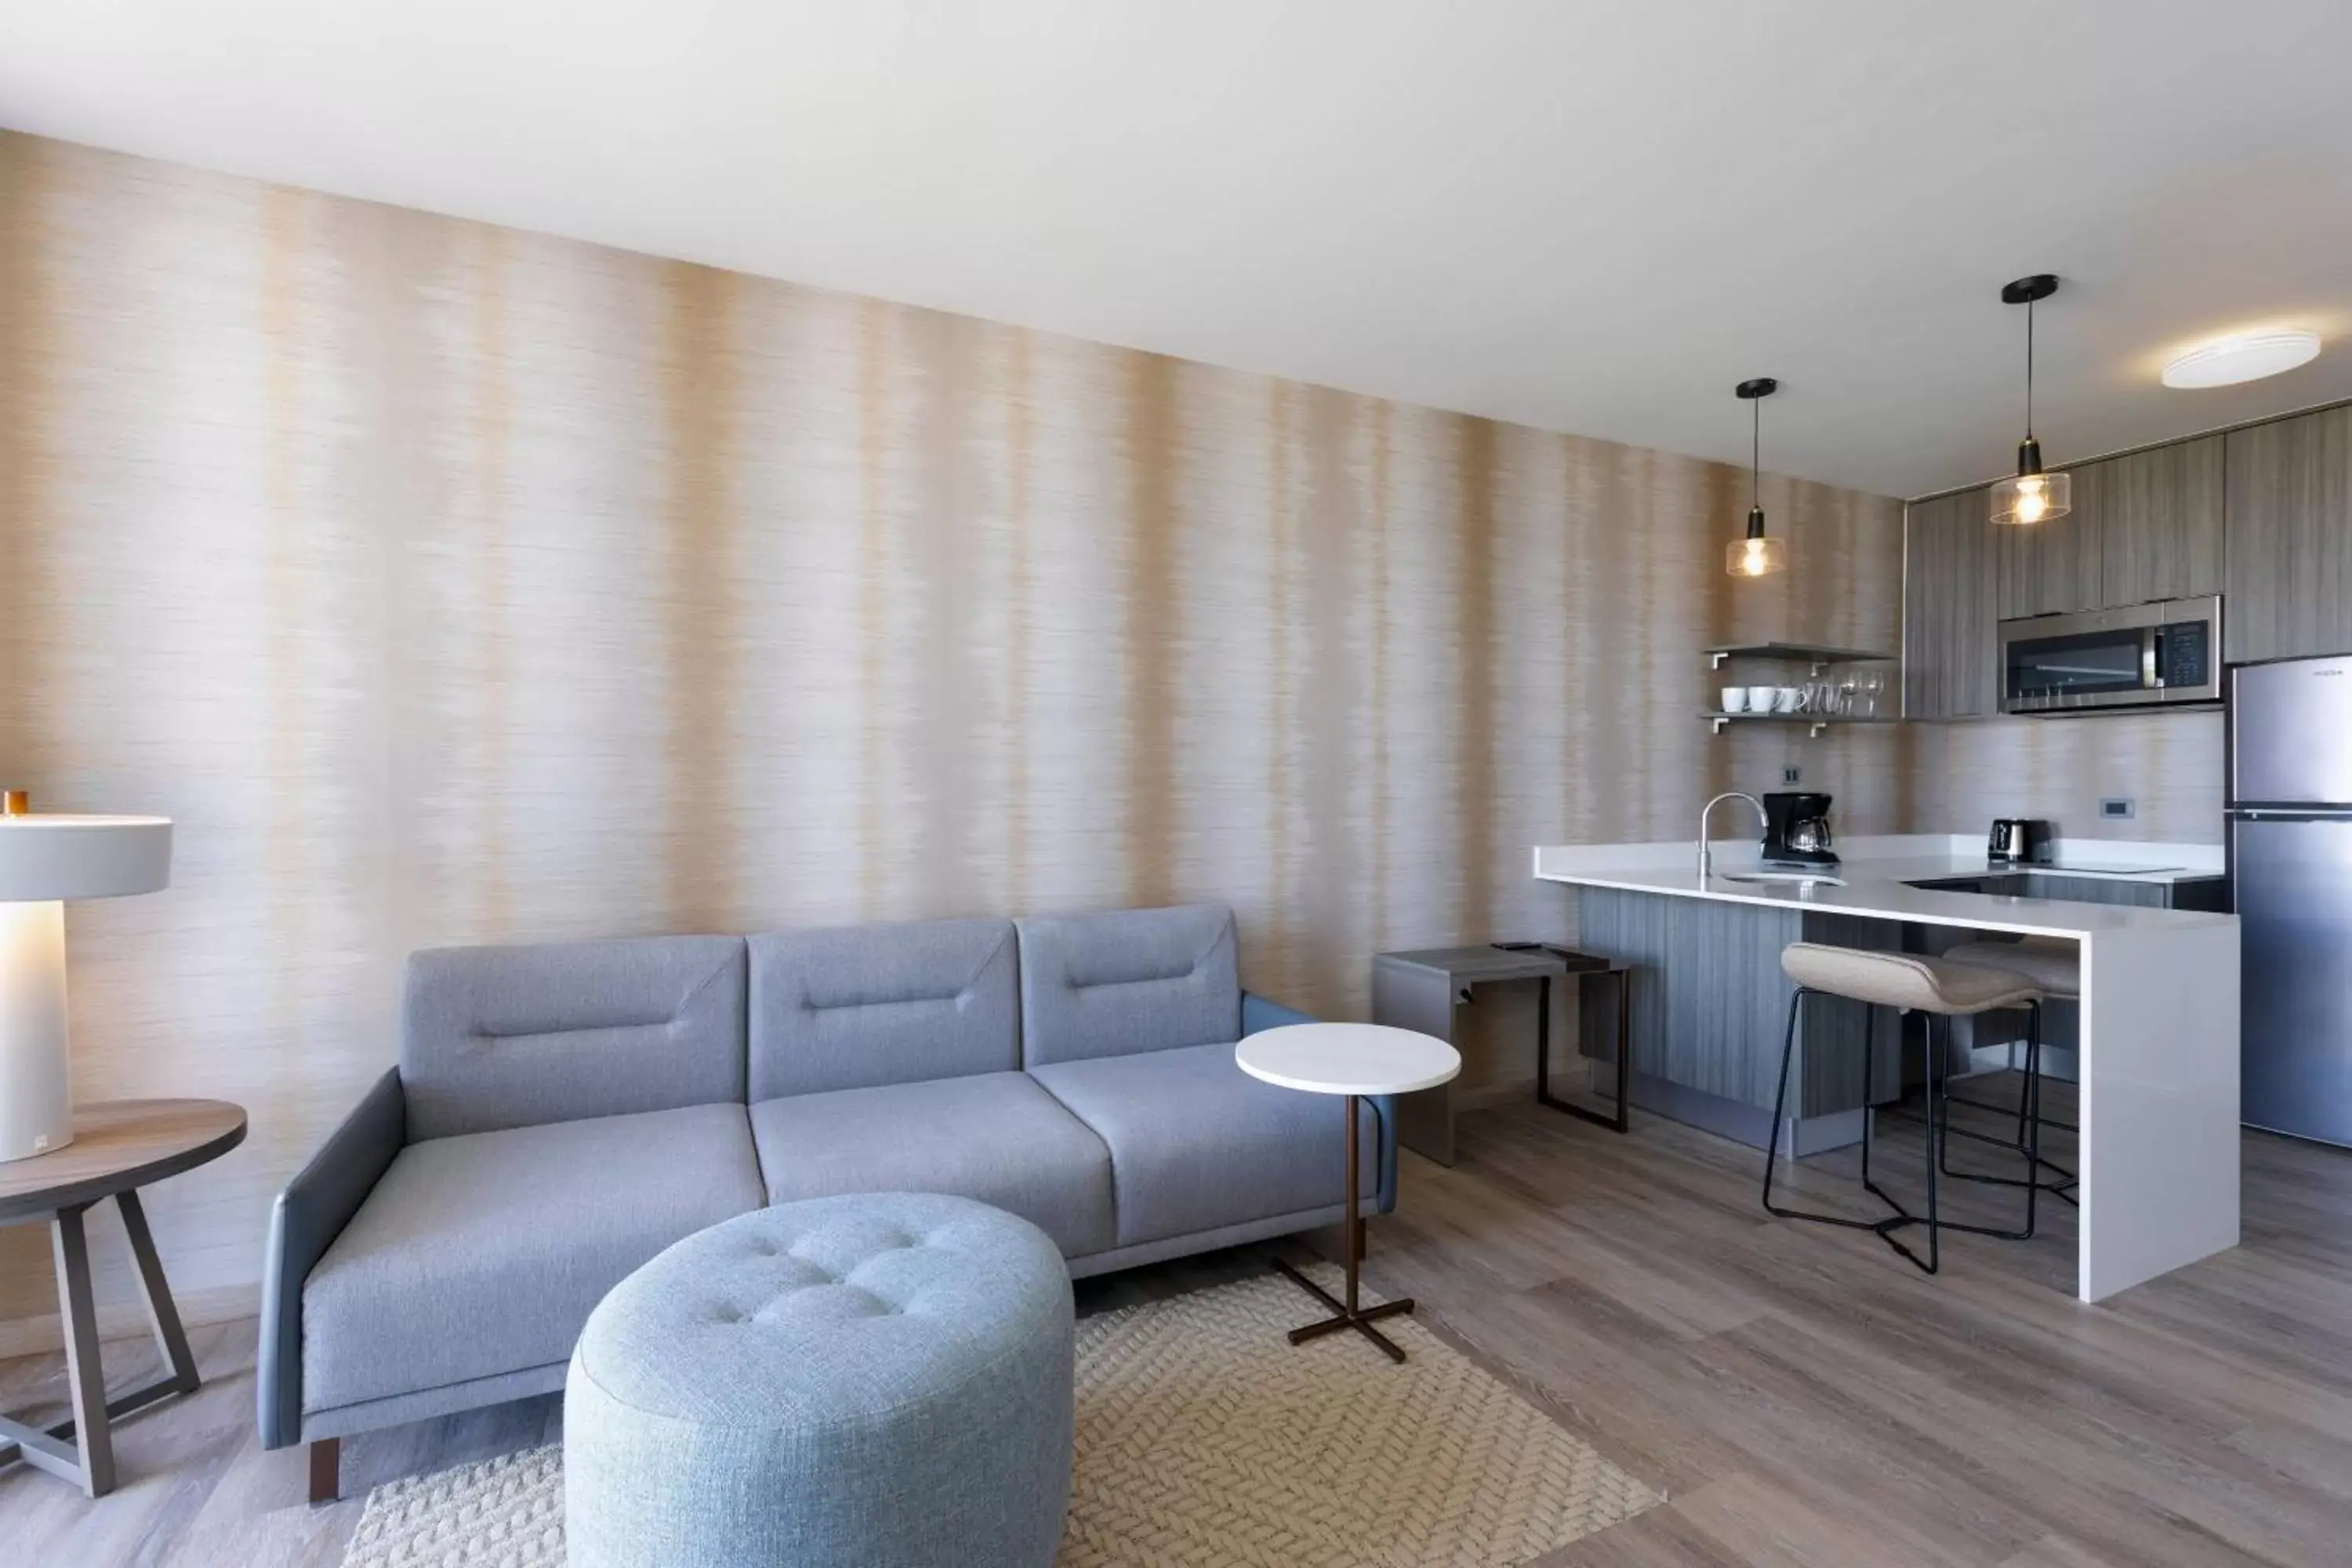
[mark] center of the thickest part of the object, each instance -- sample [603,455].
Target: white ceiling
[1592,216]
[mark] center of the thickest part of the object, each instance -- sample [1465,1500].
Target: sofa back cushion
[1129,980]
[860,1005]
[515,1037]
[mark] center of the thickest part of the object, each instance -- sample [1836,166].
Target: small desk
[1424,988]
[118,1146]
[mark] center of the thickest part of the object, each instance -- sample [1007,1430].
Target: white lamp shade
[44,857]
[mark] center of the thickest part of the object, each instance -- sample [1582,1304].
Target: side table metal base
[1348,1317]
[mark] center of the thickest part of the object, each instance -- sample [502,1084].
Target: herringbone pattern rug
[1204,1437]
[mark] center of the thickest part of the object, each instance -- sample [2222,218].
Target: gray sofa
[561,1113]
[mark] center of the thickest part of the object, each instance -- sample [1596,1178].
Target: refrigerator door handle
[2289,814]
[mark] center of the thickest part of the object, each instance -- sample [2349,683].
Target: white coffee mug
[1785,700]
[1734,700]
[1759,700]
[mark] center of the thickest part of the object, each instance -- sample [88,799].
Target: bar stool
[1908,983]
[2054,964]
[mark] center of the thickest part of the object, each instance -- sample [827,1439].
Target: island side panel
[2159,1103]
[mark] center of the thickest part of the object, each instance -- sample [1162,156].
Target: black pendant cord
[1756,452]
[2029,369]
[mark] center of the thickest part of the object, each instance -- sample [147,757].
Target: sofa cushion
[1128,980]
[510,1037]
[859,1006]
[996,1137]
[484,1253]
[1196,1143]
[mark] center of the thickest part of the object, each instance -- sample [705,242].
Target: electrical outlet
[2116,807]
[1791,775]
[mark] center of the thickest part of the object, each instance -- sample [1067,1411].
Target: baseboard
[128,1320]
[1742,1123]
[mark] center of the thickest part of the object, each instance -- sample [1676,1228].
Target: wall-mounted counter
[2158,1020]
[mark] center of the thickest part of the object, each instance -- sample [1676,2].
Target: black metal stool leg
[2028,1141]
[2030,1121]
[1779,1110]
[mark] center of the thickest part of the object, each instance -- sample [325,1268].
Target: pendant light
[2033,496]
[1758,555]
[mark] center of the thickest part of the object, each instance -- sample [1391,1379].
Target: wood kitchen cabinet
[1950,609]
[2159,523]
[2144,526]
[2289,577]
[2261,516]
[2050,568]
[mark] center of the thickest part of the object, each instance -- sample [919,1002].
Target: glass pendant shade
[1758,555]
[2032,496]
[2023,500]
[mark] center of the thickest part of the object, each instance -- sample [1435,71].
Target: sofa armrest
[1259,1013]
[308,1216]
[1262,1013]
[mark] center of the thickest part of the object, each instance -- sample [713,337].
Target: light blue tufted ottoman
[872,1380]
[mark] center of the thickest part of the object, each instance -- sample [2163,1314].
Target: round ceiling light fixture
[2242,356]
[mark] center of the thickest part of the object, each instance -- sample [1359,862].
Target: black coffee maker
[1797,831]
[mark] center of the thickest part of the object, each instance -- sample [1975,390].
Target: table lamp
[44,860]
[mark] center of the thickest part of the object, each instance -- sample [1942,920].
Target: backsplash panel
[2168,765]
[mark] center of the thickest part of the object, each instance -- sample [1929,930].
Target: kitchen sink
[1799,878]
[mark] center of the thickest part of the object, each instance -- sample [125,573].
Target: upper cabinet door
[2049,567]
[1949,642]
[2160,523]
[2288,577]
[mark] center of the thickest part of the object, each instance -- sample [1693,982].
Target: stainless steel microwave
[2142,656]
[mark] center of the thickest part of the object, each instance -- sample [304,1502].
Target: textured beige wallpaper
[452,584]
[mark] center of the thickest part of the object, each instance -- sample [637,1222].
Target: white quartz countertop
[1877,874]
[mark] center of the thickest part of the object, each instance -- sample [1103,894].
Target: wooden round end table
[1351,1060]
[118,1146]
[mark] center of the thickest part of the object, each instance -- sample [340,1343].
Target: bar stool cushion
[2052,963]
[1904,980]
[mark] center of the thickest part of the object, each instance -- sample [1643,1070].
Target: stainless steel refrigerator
[2290,845]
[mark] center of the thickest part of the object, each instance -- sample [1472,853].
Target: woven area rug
[1204,1436]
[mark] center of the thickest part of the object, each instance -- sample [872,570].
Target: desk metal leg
[1347,1315]
[1623,1119]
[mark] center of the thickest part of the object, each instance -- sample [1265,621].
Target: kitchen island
[2157,1049]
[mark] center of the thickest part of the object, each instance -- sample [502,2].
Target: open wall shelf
[1817,721]
[1795,653]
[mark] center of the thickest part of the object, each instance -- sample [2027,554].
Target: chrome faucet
[1706,856]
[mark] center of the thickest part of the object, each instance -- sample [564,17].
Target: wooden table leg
[162,1316]
[82,1446]
[84,1372]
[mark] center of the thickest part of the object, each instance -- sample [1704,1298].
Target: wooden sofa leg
[326,1470]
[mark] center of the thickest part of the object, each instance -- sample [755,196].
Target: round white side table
[1350,1060]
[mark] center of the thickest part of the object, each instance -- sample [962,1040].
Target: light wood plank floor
[1802,1396]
